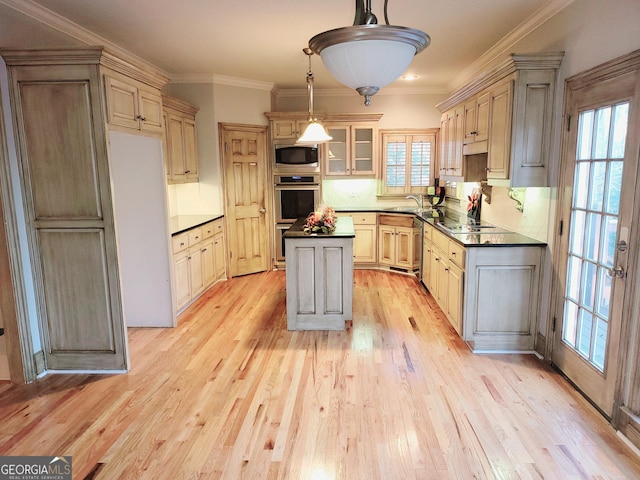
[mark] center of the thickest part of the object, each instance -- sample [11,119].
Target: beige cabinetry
[447,276]
[198,261]
[365,243]
[132,104]
[476,120]
[288,128]
[452,132]
[516,103]
[353,149]
[398,238]
[502,297]
[181,150]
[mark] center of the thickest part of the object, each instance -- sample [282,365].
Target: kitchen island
[319,276]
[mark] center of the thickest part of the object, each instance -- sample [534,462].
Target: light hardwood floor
[230,393]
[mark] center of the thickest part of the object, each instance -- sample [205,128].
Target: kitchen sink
[470,228]
[407,209]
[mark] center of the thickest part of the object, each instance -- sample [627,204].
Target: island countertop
[344,229]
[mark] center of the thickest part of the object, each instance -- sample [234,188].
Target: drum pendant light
[315,132]
[367,56]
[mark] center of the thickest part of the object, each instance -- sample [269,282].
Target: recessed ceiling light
[409,77]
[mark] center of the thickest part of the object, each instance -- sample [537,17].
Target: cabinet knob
[187,171]
[473,133]
[453,254]
[141,118]
[487,169]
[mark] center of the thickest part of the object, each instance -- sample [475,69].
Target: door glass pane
[619,136]
[593,230]
[598,173]
[613,187]
[603,119]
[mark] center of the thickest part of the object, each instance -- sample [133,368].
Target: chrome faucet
[419,200]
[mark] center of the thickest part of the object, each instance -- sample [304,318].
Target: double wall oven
[296,194]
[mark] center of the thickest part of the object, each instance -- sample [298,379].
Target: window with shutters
[408,161]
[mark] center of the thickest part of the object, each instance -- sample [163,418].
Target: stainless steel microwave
[302,157]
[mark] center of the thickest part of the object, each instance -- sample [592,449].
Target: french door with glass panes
[597,199]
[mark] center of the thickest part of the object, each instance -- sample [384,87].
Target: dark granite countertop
[485,238]
[182,223]
[344,229]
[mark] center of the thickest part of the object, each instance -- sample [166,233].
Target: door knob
[262,210]
[616,272]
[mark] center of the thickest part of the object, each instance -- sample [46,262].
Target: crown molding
[541,16]
[222,80]
[58,22]
[347,92]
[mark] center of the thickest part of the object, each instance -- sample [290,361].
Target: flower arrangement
[473,206]
[323,220]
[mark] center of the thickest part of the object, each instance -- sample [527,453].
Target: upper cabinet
[132,104]
[288,128]
[353,149]
[508,121]
[181,150]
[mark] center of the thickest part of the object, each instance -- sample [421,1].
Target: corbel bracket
[518,194]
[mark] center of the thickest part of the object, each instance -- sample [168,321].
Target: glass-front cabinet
[353,150]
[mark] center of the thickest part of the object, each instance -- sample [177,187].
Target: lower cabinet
[489,294]
[399,240]
[198,261]
[365,243]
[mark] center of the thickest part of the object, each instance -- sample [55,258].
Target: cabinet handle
[453,254]
[487,169]
[446,269]
[182,244]
[141,118]
[473,133]
[204,250]
[187,171]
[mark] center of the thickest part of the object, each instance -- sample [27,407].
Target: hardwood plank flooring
[230,393]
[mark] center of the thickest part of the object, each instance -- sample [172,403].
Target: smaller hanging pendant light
[315,132]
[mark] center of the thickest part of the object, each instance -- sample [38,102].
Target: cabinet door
[150,108]
[426,262]
[122,103]
[482,117]
[363,148]
[457,143]
[219,256]
[443,150]
[176,147]
[337,151]
[500,128]
[434,273]
[387,245]
[364,244]
[470,121]
[208,262]
[454,297]
[196,271]
[181,279]
[190,149]
[442,292]
[404,248]
[284,129]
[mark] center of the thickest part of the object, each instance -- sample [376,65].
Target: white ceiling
[262,41]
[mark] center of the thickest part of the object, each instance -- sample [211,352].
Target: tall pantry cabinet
[89,150]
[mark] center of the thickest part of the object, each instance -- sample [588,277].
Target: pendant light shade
[315,132]
[368,56]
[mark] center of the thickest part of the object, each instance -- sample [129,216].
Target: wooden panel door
[67,196]
[244,159]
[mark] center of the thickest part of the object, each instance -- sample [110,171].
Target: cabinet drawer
[456,253]
[364,218]
[426,234]
[397,220]
[179,242]
[195,235]
[218,226]
[208,230]
[441,241]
